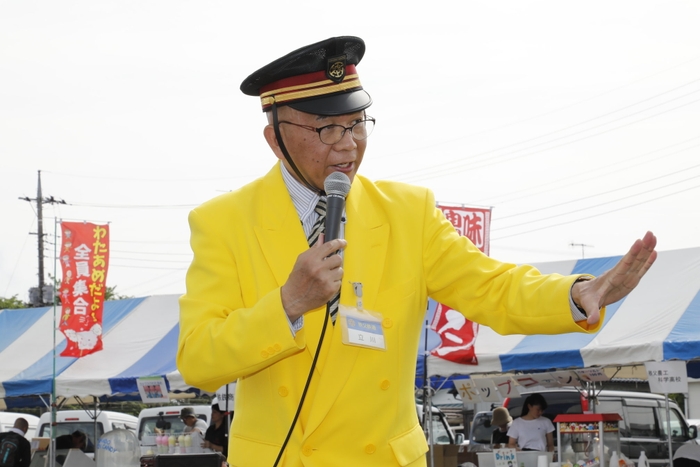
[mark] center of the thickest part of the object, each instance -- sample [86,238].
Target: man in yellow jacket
[256,309]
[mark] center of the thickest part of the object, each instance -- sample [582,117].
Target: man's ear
[271,138]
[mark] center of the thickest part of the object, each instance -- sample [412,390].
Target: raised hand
[616,283]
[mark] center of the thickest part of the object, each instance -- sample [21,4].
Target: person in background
[15,449]
[75,440]
[264,285]
[216,437]
[501,419]
[192,422]
[531,431]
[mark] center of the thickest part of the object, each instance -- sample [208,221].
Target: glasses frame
[345,129]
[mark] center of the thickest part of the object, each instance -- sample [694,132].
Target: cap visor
[336,104]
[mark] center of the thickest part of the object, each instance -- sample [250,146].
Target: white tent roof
[139,339]
[658,321]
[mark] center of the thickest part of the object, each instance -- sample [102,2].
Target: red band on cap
[307,85]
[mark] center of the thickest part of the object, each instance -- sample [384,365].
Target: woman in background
[531,431]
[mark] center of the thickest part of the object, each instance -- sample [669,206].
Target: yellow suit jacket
[360,408]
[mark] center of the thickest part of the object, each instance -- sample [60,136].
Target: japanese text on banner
[473,223]
[84,261]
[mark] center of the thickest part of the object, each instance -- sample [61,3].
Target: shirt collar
[304,199]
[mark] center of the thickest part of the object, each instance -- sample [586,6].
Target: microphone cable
[306,386]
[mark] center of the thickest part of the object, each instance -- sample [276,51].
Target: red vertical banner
[473,223]
[457,333]
[84,262]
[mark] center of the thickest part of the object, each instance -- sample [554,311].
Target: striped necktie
[318,229]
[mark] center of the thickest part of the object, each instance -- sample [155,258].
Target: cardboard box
[443,455]
[40,444]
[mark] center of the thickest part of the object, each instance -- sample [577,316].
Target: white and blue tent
[139,338]
[658,321]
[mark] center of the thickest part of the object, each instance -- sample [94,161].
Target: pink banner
[84,261]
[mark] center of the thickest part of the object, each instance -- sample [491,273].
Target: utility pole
[38,299]
[582,245]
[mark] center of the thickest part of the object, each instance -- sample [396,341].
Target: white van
[643,426]
[68,421]
[165,420]
[442,432]
[7,421]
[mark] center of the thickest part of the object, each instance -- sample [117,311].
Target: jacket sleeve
[216,323]
[509,299]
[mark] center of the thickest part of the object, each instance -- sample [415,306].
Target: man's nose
[347,141]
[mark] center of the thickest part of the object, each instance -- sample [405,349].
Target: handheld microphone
[337,187]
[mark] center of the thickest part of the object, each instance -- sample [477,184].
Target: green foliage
[112,294]
[678,399]
[12,303]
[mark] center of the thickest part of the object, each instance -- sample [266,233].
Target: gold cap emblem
[336,69]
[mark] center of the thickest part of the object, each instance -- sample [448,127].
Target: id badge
[360,327]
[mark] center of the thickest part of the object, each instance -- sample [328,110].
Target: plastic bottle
[642,461]
[614,460]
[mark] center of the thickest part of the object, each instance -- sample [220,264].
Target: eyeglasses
[332,134]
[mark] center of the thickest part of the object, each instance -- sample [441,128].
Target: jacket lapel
[277,226]
[282,240]
[367,233]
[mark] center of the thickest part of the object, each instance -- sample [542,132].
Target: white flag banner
[592,374]
[488,392]
[467,391]
[667,377]
[506,386]
[226,395]
[567,378]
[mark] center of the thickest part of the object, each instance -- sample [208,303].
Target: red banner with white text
[84,261]
[473,223]
[457,333]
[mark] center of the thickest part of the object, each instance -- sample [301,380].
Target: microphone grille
[337,184]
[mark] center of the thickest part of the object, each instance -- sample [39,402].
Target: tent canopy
[139,338]
[658,321]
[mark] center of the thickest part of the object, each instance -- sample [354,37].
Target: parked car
[442,432]
[68,421]
[153,420]
[480,432]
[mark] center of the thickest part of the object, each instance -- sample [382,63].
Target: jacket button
[385,384]
[271,350]
[370,448]
[282,391]
[264,354]
[307,451]
[278,347]
[387,323]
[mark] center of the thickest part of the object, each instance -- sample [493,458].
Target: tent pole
[52,443]
[668,431]
[427,403]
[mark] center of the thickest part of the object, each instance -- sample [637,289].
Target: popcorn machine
[587,440]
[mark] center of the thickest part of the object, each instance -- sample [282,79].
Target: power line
[596,205]
[461,165]
[605,193]
[596,215]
